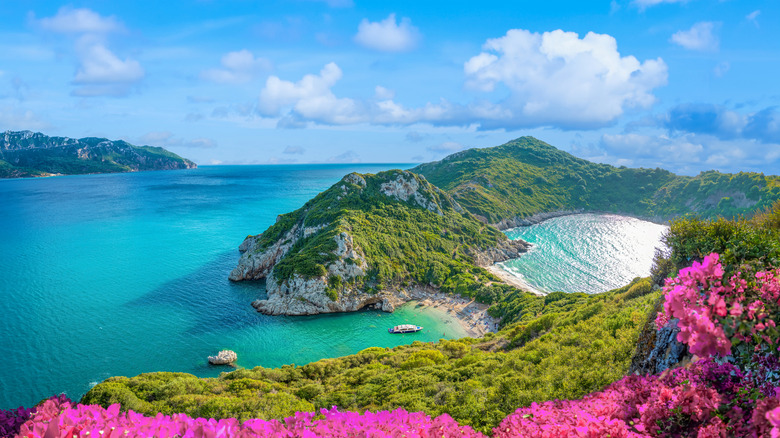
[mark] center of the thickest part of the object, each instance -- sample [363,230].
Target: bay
[120,274]
[585,252]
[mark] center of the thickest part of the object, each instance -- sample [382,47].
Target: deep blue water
[121,274]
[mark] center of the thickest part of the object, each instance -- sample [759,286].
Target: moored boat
[405,328]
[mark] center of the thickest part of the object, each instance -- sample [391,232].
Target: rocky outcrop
[506,250]
[408,185]
[536,218]
[310,296]
[256,262]
[658,350]
[224,357]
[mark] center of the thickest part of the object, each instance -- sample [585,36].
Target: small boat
[405,328]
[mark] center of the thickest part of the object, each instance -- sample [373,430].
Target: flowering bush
[716,313]
[12,419]
[62,419]
[704,400]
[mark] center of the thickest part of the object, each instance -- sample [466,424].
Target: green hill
[25,154]
[367,239]
[506,184]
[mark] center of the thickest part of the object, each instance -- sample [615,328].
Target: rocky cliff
[367,241]
[25,153]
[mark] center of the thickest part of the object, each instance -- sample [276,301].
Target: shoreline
[507,277]
[470,315]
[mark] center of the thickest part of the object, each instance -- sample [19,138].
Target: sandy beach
[471,315]
[511,279]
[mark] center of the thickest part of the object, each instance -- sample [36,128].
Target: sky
[686,85]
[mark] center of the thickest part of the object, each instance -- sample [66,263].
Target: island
[32,154]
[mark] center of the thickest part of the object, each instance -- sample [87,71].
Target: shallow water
[585,252]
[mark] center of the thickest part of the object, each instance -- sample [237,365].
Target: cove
[585,252]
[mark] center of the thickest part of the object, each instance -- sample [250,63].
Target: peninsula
[381,240]
[31,154]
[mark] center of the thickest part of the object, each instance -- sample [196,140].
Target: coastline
[471,315]
[507,277]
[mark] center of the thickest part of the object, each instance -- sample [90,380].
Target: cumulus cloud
[238,67]
[699,37]
[77,21]
[552,79]
[556,78]
[310,97]
[100,72]
[387,35]
[101,66]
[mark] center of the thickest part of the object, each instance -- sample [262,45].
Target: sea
[122,274]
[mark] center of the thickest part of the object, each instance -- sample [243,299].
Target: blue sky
[685,85]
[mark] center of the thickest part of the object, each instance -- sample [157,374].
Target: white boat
[405,328]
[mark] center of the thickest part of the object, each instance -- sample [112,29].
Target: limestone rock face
[405,186]
[224,357]
[256,264]
[309,296]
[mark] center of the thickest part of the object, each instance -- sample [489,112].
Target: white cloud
[753,17]
[556,78]
[688,153]
[310,98]
[239,67]
[100,72]
[387,35]
[101,66]
[382,93]
[644,4]
[76,21]
[553,79]
[699,37]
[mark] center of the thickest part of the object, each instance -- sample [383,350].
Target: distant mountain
[26,154]
[509,184]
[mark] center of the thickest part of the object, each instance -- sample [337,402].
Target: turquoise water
[585,252]
[122,274]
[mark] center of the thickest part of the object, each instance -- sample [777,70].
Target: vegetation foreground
[558,367]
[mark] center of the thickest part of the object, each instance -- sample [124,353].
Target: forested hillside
[527,176]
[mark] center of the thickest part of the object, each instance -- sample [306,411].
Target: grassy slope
[562,346]
[528,176]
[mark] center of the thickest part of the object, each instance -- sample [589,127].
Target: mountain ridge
[30,154]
